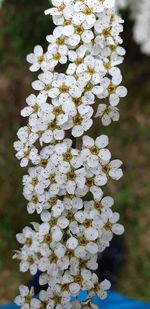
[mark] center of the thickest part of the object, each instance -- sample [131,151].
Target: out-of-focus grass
[22,26]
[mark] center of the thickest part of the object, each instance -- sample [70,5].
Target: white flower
[52,178]
[69,158]
[29,262]
[52,134]
[37,59]
[90,70]
[57,43]
[53,203]
[25,153]
[99,206]
[49,264]
[36,202]
[93,184]
[76,58]
[111,226]
[75,33]
[103,287]
[62,7]
[107,114]
[74,179]
[84,12]
[27,239]
[90,88]
[25,300]
[112,90]
[111,169]
[44,84]
[114,170]
[67,88]
[81,123]
[54,57]
[34,105]
[72,203]
[108,33]
[34,182]
[95,151]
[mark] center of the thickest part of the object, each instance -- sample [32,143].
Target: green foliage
[23,25]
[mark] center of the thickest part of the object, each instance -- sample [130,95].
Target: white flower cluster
[64,183]
[141,29]
[122,3]
[1,2]
[140,14]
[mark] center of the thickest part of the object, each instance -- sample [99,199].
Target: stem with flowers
[139,11]
[64,183]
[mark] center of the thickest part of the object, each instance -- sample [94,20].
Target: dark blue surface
[113,301]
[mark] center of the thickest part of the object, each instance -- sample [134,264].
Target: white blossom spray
[64,183]
[139,11]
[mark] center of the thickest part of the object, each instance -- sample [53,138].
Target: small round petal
[77,131]
[92,248]
[118,229]
[91,19]
[101,141]
[91,233]
[74,288]
[105,155]
[114,99]
[100,180]
[121,91]
[105,284]
[72,243]
[88,141]
[38,85]
[47,136]
[92,161]
[59,134]
[74,40]
[56,234]
[26,111]
[63,222]
[116,174]
[97,192]
[87,36]
[107,201]
[38,50]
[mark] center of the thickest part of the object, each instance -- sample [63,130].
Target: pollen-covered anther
[111,88]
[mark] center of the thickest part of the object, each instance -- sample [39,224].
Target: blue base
[113,301]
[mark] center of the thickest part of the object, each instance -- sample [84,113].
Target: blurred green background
[23,25]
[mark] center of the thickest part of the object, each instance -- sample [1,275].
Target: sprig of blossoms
[141,31]
[64,183]
[121,4]
[140,13]
[1,2]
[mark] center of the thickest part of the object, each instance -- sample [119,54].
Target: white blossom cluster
[141,29]
[1,2]
[122,3]
[64,183]
[140,14]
